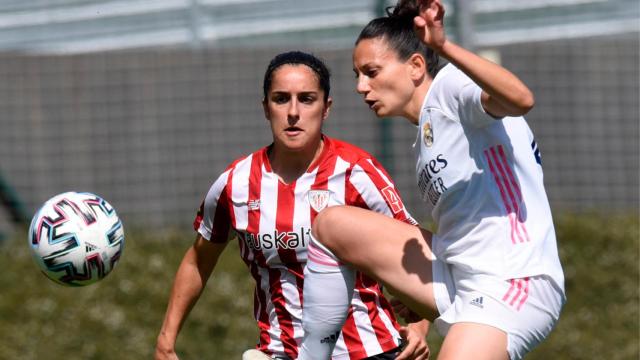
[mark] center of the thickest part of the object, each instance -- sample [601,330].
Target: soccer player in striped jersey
[489,277]
[269,200]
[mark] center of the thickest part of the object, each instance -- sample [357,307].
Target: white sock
[328,289]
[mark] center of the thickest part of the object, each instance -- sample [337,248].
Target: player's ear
[265,108]
[327,108]
[417,67]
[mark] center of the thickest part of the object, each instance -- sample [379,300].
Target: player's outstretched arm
[504,94]
[191,277]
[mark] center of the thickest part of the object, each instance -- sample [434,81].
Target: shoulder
[360,161]
[238,166]
[348,152]
[450,89]
[449,82]
[245,158]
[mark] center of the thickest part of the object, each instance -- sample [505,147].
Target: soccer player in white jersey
[489,275]
[269,200]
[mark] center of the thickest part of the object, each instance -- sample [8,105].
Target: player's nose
[293,112]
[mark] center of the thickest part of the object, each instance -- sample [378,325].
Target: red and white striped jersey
[273,223]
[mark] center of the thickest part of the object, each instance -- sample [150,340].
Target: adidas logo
[89,247]
[331,339]
[477,302]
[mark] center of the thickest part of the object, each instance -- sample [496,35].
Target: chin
[380,112]
[295,146]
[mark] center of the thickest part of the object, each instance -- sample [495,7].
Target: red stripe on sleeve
[386,188]
[221,220]
[199,216]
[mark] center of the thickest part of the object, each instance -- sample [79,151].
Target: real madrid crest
[427,134]
[318,199]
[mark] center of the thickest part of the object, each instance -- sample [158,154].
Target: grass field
[119,317]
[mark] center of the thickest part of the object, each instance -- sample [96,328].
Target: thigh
[474,341]
[393,252]
[524,309]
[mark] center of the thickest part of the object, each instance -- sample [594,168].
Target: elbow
[525,103]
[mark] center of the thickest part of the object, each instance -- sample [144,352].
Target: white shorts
[526,309]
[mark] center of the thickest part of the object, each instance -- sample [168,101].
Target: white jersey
[481,179]
[273,223]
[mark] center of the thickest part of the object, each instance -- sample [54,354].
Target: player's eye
[307,98]
[279,98]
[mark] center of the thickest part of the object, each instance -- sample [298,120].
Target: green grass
[119,317]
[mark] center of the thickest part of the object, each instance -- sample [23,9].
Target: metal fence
[150,130]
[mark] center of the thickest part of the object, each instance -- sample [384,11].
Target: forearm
[189,282]
[506,94]
[186,290]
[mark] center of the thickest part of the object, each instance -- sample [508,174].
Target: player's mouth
[372,104]
[293,130]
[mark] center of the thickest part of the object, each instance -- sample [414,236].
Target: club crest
[427,134]
[318,199]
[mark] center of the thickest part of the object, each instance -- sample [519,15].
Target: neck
[290,165]
[414,107]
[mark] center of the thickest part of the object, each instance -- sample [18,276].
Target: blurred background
[146,102]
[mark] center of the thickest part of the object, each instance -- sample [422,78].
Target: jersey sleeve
[213,220]
[470,109]
[370,187]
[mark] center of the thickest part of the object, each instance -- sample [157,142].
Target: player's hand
[416,347]
[165,354]
[404,312]
[164,351]
[429,24]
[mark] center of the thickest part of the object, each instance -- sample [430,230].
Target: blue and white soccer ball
[76,238]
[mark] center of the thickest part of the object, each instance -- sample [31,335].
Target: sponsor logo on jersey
[318,199]
[427,134]
[430,183]
[253,204]
[279,240]
[392,198]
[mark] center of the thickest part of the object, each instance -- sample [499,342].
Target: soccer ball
[76,238]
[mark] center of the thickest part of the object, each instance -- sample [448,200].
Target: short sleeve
[371,187]
[471,111]
[213,220]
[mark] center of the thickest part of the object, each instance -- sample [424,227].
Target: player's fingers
[410,345]
[425,355]
[439,10]
[407,353]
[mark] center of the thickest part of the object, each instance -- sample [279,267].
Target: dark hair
[397,29]
[298,58]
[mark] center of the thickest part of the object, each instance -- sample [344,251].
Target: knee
[324,223]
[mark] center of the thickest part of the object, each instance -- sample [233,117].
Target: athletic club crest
[427,134]
[319,199]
